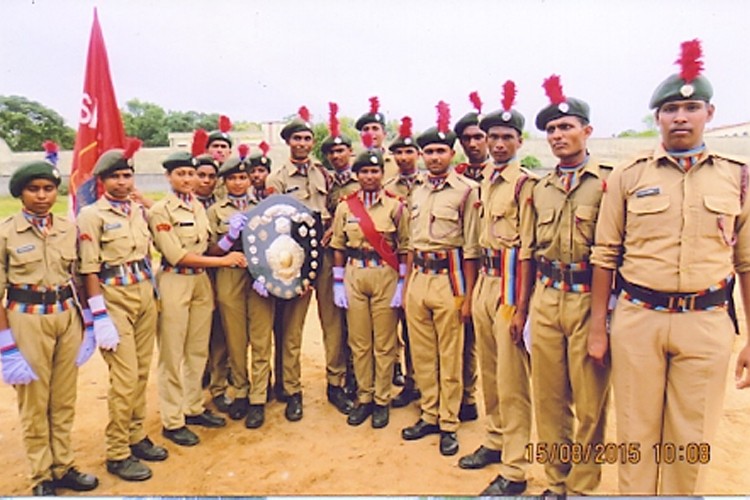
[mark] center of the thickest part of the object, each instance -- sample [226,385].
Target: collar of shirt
[475,171]
[123,206]
[498,170]
[301,167]
[239,202]
[206,201]
[341,177]
[185,198]
[684,159]
[369,198]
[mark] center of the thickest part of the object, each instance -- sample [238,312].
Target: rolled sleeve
[610,234]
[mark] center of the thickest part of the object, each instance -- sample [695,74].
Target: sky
[260,60]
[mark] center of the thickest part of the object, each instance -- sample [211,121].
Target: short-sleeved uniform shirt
[178,228]
[311,189]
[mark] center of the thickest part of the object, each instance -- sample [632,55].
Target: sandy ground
[321,454]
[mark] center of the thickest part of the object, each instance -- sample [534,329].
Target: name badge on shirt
[185,224]
[292,189]
[353,219]
[113,225]
[26,248]
[647,192]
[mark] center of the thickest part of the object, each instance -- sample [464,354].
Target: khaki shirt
[506,211]
[445,218]
[564,223]
[310,189]
[107,235]
[664,224]
[338,191]
[397,186]
[218,216]
[390,167]
[29,259]
[178,229]
[389,217]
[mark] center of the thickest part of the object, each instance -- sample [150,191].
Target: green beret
[570,107]
[28,172]
[331,141]
[502,118]
[180,159]
[370,118]
[112,161]
[218,135]
[294,126]
[674,88]
[368,158]
[259,160]
[207,159]
[233,165]
[467,120]
[403,142]
[432,136]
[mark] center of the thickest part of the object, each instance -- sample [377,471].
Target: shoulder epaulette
[638,159]
[734,159]
[389,194]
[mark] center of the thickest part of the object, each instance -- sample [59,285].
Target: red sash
[374,238]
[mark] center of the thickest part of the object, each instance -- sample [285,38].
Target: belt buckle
[47,295]
[682,303]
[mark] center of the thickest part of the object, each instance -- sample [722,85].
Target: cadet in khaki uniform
[373,123]
[444,225]
[474,143]
[406,154]
[246,309]
[180,230]
[501,303]
[40,327]
[371,287]
[674,225]
[564,378]
[307,181]
[114,255]
[338,151]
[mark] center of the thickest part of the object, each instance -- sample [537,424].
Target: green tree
[531,162]
[146,121]
[649,121]
[26,124]
[320,132]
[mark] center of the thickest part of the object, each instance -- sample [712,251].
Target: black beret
[259,160]
[294,126]
[207,159]
[180,159]
[233,165]
[432,136]
[218,135]
[112,161]
[570,107]
[28,172]
[502,118]
[368,158]
[331,141]
[370,118]
[469,119]
[403,142]
[675,88]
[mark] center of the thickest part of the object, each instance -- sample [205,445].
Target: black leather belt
[490,262]
[430,264]
[676,302]
[358,253]
[46,298]
[133,267]
[567,276]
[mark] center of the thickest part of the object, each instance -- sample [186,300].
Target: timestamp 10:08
[612,453]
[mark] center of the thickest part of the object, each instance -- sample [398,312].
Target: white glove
[16,370]
[398,295]
[105,331]
[339,290]
[88,344]
[260,288]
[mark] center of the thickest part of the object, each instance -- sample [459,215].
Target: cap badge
[337,140]
[506,116]
[441,135]
[687,90]
[563,107]
[407,140]
[374,160]
[55,173]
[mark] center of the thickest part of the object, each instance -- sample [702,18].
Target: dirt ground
[321,454]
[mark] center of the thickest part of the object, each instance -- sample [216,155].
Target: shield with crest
[281,241]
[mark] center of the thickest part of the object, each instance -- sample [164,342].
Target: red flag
[100,127]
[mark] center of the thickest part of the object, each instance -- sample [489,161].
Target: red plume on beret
[509,95]
[333,122]
[304,113]
[49,146]
[444,117]
[263,146]
[689,61]
[200,138]
[476,101]
[374,105]
[243,150]
[133,145]
[553,89]
[404,130]
[225,124]
[367,140]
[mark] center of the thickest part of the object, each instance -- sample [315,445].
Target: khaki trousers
[133,311]
[372,330]
[292,324]
[669,376]
[248,320]
[331,322]
[49,343]
[436,336]
[470,369]
[565,378]
[187,303]
[218,357]
[505,378]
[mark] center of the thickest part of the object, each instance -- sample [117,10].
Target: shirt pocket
[545,228]
[646,218]
[353,232]
[444,223]
[187,232]
[503,222]
[27,261]
[116,244]
[719,217]
[585,223]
